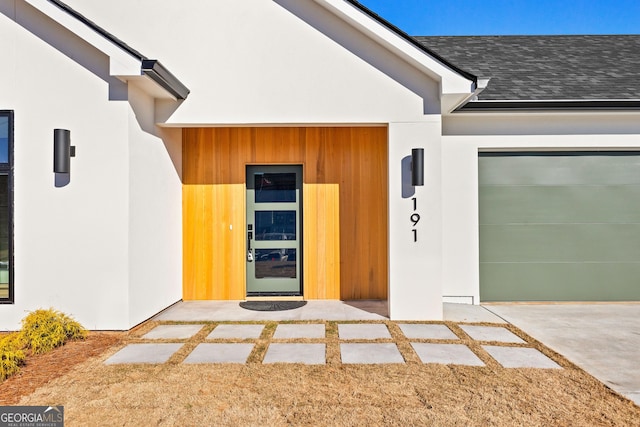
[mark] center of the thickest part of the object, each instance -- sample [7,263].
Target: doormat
[272,305]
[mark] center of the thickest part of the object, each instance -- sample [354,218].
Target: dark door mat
[272,305]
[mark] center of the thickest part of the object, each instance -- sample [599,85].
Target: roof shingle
[546,68]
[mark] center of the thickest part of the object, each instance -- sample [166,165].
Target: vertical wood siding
[344,208]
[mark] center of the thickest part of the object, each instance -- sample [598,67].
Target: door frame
[299,170]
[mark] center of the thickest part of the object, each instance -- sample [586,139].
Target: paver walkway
[371,342]
[602,339]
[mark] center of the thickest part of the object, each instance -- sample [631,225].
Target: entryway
[274,230]
[341,252]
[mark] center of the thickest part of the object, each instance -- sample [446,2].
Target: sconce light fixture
[417,166]
[62,151]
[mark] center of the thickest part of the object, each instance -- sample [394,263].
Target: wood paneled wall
[322,241]
[345,219]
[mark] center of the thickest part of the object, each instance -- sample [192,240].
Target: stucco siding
[155,212]
[70,241]
[254,61]
[415,260]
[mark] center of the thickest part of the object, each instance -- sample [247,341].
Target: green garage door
[559,226]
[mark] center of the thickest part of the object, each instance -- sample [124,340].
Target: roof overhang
[456,85]
[163,77]
[550,105]
[125,63]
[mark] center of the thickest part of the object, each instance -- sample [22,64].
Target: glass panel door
[274,230]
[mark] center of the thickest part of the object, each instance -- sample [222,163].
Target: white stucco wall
[255,61]
[155,212]
[81,248]
[467,135]
[415,261]
[70,242]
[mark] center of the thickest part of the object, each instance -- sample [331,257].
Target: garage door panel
[560,282]
[560,204]
[560,242]
[559,169]
[559,226]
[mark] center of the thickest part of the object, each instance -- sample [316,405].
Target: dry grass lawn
[170,394]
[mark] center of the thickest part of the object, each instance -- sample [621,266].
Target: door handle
[249,251]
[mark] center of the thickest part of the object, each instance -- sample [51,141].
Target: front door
[274,230]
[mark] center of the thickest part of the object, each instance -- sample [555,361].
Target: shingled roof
[547,68]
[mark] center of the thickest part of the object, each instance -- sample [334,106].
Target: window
[6,206]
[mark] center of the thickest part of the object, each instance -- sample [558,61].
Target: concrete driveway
[603,339]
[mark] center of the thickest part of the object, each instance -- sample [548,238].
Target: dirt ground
[42,368]
[334,394]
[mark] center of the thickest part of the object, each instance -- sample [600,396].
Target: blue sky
[510,17]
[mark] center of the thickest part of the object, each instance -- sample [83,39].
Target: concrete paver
[603,339]
[173,332]
[370,353]
[427,331]
[469,313]
[520,357]
[308,354]
[144,353]
[231,311]
[448,354]
[363,331]
[292,331]
[220,353]
[236,332]
[491,333]
[314,310]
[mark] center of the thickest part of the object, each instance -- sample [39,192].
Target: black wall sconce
[417,166]
[62,151]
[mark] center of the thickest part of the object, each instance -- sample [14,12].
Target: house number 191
[415,218]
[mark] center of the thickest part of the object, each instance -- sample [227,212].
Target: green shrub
[11,354]
[44,330]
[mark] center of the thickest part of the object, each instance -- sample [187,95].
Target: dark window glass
[4,139]
[275,187]
[6,207]
[276,263]
[275,225]
[4,236]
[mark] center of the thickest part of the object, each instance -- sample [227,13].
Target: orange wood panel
[321,241]
[196,206]
[345,174]
[213,237]
[363,210]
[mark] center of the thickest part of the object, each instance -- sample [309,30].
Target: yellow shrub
[11,354]
[43,330]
